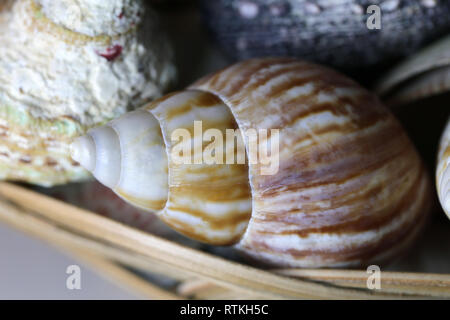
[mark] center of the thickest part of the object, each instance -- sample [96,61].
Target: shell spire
[134,141]
[183,194]
[82,150]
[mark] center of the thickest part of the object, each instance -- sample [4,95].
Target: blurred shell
[422,75]
[55,83]
[443,171]
[350,188]
[326,31]
[425,74]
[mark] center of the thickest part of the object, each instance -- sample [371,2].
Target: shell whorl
[443,171]
[132,156]
[209,202]
[350,188]
[111,153]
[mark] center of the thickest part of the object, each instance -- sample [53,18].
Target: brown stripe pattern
[350,189]
[443,171]
[207,202]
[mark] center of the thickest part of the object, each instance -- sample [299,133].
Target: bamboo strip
[85,251]
[433,285]
[33,225]
[73,244]
[202,289]
[225,273]
[425,285]
[205,290]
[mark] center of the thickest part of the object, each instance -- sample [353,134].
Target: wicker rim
[100,241]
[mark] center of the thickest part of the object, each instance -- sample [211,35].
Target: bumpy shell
[326,31]
[66,66]
[443,171]
[350,188]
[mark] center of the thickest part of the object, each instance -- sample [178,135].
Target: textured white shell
[443,171]
[57,80]
[93,17]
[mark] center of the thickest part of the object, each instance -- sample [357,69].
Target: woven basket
[113,248]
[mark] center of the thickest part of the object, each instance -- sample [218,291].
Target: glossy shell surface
[351,188]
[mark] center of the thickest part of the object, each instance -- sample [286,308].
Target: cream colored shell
[195,199]
[59,79]
[350,188]
[443,171]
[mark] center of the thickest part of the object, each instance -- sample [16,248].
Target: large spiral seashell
[66,66]
[350,188]
[443,171]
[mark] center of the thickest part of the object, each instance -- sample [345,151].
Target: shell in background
[424,74]
[443,171]
[326,31]
[64,69]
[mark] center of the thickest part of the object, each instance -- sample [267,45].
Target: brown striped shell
[422,75]
[207,202]
[350,187]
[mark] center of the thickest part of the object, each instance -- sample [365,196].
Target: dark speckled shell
[332,32]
